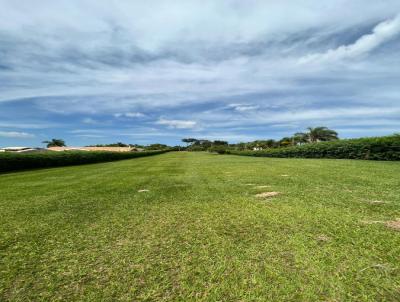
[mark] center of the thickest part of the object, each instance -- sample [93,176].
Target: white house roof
[15,148]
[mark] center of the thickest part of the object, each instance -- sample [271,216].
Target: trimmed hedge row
[16,161]
[374,148]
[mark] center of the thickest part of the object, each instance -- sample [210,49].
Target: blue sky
[157,71]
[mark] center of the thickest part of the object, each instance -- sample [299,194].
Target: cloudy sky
[97,71]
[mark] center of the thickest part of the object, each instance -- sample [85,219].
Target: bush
[16,161]
[220,149]
[374,148]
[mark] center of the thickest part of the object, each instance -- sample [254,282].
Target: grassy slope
[85,233]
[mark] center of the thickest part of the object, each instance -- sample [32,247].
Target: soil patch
[267,194]
[394,224]
[322,238]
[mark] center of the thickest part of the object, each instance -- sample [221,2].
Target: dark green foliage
[55,142]
[119,144]
[204,144]
[15,161]
[220,143]
[320,134]
[375,148]
[220,149]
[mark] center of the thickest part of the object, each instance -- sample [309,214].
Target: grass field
[85,233]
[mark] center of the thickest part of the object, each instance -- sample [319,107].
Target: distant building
[109,149]
[257,149]
[22,149]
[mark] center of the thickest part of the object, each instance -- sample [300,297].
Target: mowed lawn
[85,233]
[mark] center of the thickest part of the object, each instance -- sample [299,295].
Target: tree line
[57,142]
[312,135]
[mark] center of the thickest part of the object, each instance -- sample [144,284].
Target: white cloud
[243,107]
[134,114]
[178,124]
[90,136]
[89,120]
[130,114]
[27,125]
[14,134]
[381,33]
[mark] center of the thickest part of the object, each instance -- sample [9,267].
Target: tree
[220,143]
[286,141]
[119,144]
[156,147]
[240,146]
[55,142]
[204,143]
[321,134]
[189,141]
[300,138]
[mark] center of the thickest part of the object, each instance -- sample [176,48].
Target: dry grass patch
[322,238]
[143,190]
[265,186]
[372,221]
[376,201]
[267,194]
[394,224]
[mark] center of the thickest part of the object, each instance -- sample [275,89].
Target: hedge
[17,161]
[374,148]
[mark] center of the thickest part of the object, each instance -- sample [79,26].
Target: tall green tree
[189,141]
[219,143]
[321,134]
[55,142]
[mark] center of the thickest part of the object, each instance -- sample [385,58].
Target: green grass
[84,233]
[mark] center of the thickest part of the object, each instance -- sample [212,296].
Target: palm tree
[321,134]
[55,142]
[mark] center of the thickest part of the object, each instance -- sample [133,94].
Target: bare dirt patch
[267,194]
[372,221]
[394,224]
[322,238]
[376,201]
[143,190]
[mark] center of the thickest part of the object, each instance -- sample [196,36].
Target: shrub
[16,161]
[220,149]
[374,148]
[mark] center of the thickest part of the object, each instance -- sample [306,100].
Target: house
[257,148]
[107,149]
[21,149]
